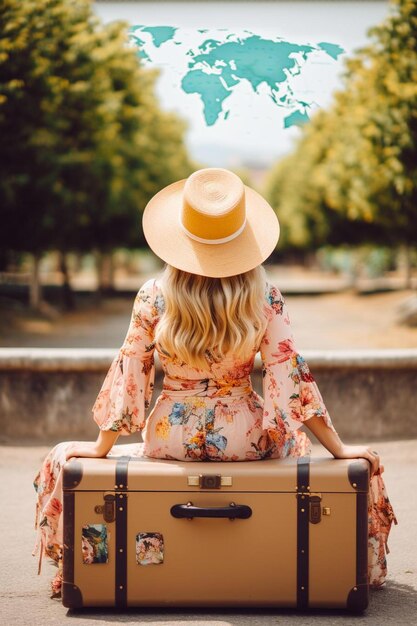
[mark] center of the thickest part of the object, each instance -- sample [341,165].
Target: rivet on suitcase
[273,533]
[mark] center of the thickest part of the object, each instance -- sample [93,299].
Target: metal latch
[108,508]
[315,509]
[209,481]
[314,503]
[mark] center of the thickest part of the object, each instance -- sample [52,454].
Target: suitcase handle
[233,511]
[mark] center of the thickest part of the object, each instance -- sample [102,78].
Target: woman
[207,316]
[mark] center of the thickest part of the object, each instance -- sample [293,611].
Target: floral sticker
[149,548]
[94,543]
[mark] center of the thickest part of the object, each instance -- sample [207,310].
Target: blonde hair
[206,317]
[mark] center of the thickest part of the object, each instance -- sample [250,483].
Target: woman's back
[210,411]
[216,375]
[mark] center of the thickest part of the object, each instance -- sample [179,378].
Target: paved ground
[327,321]
[327,316]
[24,596]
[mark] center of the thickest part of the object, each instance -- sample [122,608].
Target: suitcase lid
[269,475]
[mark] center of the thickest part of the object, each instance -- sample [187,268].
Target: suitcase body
[272,533]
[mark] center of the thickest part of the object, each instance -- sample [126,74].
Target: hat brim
[163,232]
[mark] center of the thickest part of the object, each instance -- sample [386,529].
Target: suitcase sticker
[94,543]
[149,549]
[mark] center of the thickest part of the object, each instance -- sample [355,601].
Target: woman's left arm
[105,441]
[126,392]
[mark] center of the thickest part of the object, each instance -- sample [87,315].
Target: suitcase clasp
[315,509]
[314,505]
[107,509]
[209,481]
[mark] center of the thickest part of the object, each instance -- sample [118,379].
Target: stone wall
[46,395]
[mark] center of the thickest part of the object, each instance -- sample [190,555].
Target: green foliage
[353,174]
[84,142]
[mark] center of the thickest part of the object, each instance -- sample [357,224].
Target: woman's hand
[105,441]
[365,452]
[70,451]
[81,448]
[332,442]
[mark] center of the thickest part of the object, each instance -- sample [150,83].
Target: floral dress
[210,414]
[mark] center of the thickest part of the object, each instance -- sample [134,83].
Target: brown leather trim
[72,474]
[68,536]
[71,596]
[362,538]
[358,597]
[303,482]
[121,476]
[358,474]
[121,471]
[357,601]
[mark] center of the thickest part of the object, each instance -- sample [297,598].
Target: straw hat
[211,224]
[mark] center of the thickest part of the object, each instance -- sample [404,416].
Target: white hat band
[215,241]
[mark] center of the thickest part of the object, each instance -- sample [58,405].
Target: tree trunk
[111,271]
[355,269]
[98,257]
[311,260]
[68,294]
[105,271]
[78,262]
[35,287]
[407,266]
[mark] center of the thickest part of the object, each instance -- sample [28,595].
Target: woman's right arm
[291,395]
[332,442]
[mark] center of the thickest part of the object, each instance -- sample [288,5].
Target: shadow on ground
[395,604]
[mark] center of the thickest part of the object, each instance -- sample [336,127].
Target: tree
[381,130]
[84,142]
[297,187]
[353,177]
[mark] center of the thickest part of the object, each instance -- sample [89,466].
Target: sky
[254,130]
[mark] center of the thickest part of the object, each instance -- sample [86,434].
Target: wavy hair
[206,318]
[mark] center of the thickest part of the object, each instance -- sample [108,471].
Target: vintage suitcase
[273,533]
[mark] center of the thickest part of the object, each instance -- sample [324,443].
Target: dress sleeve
[291,395]
[127,389]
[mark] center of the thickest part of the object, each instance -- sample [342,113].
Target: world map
[221,60]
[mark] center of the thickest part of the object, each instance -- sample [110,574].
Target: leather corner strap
[358,597]
[121,484]
[71,594]
[72,474]
[359,474]
[359,478]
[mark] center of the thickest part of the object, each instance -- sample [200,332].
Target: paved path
[24,596]
[328,321]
